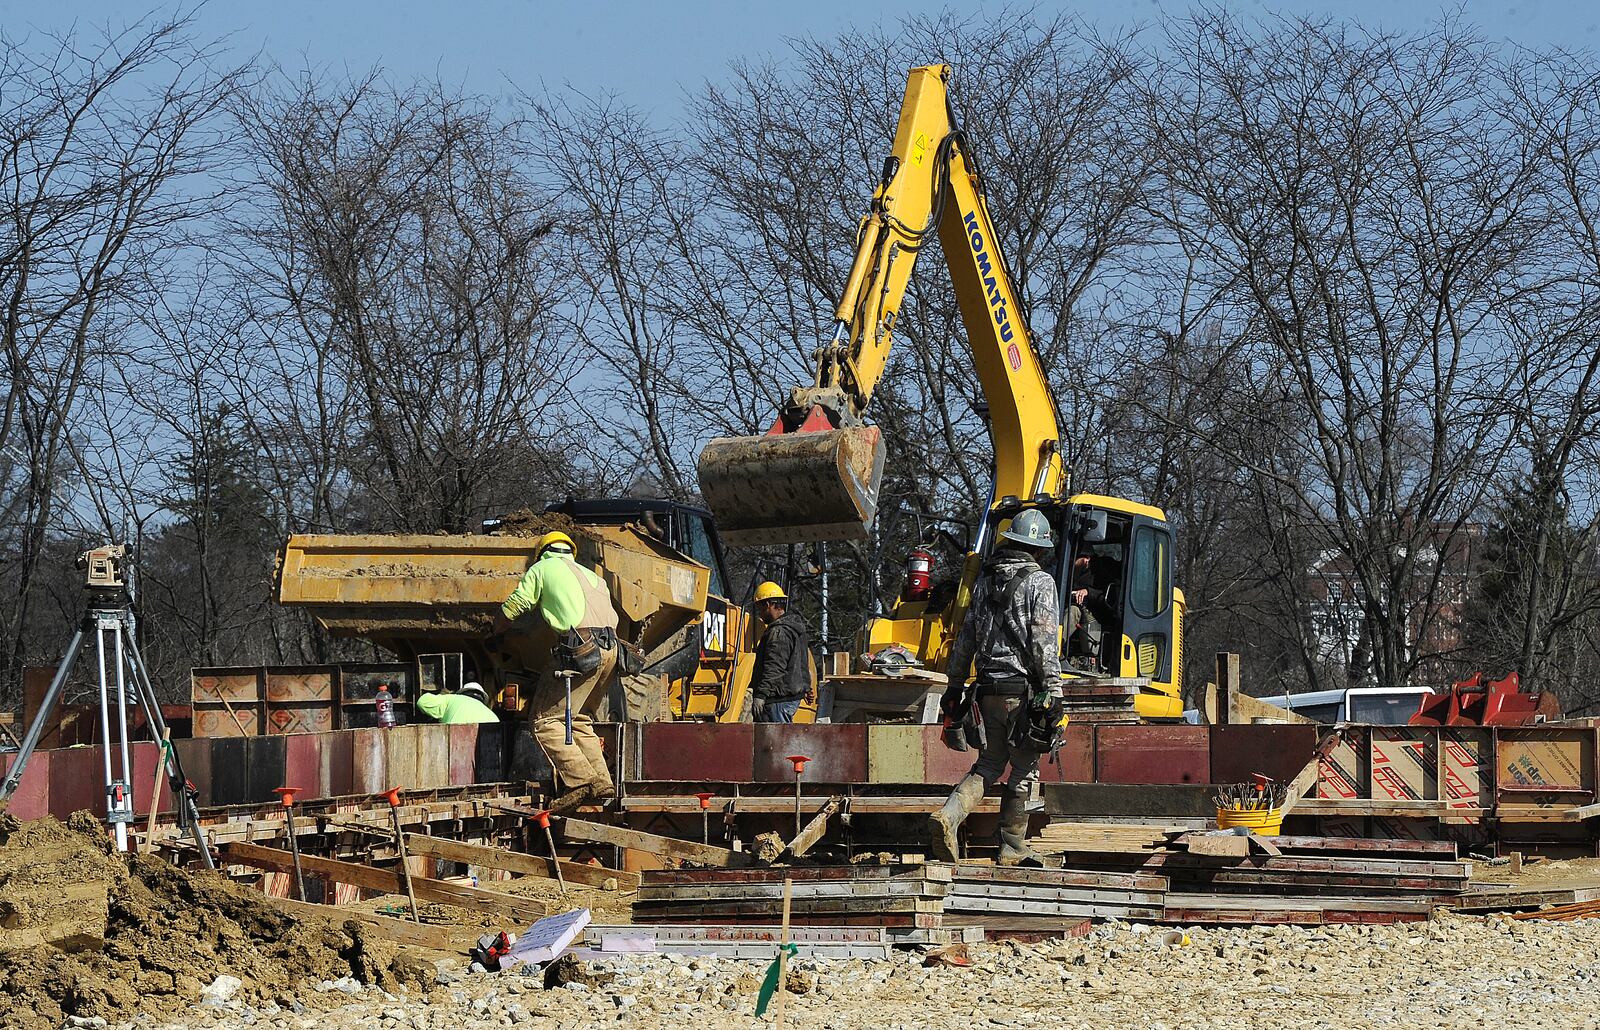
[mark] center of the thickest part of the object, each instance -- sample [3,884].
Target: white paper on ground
[545,940]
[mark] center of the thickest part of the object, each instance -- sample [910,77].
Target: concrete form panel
[1343,773]
[838,753]
[265,757]
[1281,752]
[1153,754]
[146,756]
[463,752]
[32,799]
[370,758]
[894,754]
[336,771]
[77,781]
[698,752]
[433,756]
[405,745]
[1405,763]
[1074,762]
[302,765]
[940,764]
[195,755]
[229,771]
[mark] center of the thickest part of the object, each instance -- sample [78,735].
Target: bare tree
[101,135]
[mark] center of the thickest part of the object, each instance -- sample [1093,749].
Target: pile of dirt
[528,522]
[86,932]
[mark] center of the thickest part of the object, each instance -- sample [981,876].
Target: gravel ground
[1452,972]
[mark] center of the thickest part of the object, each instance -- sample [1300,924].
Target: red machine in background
[1472,702]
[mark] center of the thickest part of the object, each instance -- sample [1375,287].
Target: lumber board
[639,840]
[969,873]
[1048,896]
[399,931]
[933,872]
[475,899]
[517,862]
[813,831]
[866,891]
[1059,910]
[1506,900]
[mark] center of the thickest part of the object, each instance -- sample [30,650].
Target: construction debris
[96,935]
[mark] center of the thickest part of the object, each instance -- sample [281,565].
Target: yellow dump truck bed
[415,590]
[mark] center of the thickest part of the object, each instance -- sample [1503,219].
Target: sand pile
[85,932]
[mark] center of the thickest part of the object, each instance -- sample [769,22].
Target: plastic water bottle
[385,703]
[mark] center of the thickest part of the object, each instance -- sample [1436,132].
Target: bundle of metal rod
[1258,795]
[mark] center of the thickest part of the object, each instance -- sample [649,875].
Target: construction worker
[468,705]
[782,674]
[574,603]
[1010,640]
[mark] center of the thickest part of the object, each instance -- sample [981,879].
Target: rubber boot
[1014,850]
[944,823]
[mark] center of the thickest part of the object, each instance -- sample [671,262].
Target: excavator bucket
[786,488]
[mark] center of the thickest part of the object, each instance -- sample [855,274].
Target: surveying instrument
[109,617]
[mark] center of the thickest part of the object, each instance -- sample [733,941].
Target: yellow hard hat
[770,591]
[550,539]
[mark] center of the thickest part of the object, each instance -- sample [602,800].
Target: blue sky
[651,53]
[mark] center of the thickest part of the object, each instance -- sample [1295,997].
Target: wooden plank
[398,930]
[865,891]
[475,899]
[932,872]
[969,873]
[807,838]
[517,862]
[1505,901]
[666,847]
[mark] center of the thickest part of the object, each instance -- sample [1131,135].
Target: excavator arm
[816,473]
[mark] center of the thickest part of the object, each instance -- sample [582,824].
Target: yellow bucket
[1263,822]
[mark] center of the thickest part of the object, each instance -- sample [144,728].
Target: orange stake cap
[705,797]
[286,794]
[799,762]
[393,794]
[542,818]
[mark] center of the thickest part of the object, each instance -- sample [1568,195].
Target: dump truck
[692,644]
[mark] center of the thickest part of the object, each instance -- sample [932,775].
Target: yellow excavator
[815,475]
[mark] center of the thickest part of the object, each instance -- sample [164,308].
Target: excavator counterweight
[785,488]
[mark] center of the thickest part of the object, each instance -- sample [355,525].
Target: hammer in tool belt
[392,795]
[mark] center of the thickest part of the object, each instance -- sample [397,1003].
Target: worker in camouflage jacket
[1010,641]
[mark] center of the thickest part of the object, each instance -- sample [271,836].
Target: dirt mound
[528,522]
[85,932]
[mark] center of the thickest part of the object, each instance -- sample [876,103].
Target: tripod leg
[182,796]
[41,718]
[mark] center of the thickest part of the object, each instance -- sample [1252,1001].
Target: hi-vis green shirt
[564,593]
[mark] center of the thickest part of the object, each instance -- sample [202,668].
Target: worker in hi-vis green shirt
[575,603]
[469,704]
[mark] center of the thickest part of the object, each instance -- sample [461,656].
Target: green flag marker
[769,983]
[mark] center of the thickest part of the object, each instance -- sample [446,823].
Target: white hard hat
[475,688]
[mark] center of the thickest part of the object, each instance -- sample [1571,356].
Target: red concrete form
[1153,754]
[336,774]
[698,751]
[941,764]
[32,799]
[77,781]
[146,757]
[463,754]
[1239,752]
[838,752]
[302,764]
[1074,762]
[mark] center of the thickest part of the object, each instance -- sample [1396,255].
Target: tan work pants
[582,761]
[998,753]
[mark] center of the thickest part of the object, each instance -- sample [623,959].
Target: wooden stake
[783,954]
[155,794]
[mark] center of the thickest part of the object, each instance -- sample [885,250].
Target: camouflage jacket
[1010,642]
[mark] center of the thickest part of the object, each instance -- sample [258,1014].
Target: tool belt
[1017,687]
[580,649]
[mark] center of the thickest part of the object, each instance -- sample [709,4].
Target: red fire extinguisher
[919,575]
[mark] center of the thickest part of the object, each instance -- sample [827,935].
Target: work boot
[604,794]
[1014,850]
[572,799]
[944,824]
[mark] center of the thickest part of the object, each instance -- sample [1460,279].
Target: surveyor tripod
[122,670]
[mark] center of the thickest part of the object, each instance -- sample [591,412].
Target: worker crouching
[1010,640]
[573,602]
